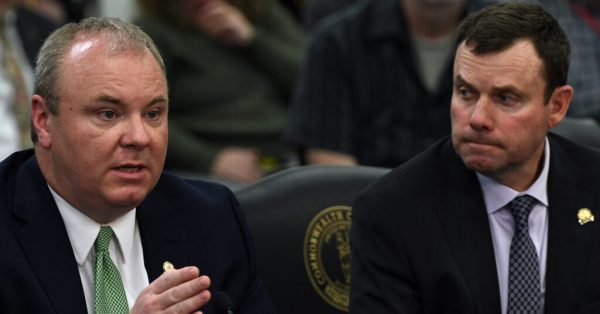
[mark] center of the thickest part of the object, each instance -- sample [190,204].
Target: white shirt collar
[83,231]
[496,196]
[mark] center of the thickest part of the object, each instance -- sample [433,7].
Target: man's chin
[128,198]
[481,164]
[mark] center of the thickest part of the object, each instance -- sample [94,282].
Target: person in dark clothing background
[22,33]
[376,82]
[231,66]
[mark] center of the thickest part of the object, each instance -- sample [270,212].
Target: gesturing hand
[175,291]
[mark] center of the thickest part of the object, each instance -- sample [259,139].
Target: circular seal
[327,256]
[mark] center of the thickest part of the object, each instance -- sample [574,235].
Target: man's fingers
[172,278]
[190,292]
[182,290]
[191,304]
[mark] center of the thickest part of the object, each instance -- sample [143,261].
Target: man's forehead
[80,48]
[520,52]
[104,43]
[93,48]
[525,45]
[84,45]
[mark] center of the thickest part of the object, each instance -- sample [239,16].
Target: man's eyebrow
[110,99]
[119,102]
[158,99]
[459,81]
[508,89]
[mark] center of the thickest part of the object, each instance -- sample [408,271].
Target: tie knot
[521,207]
[103,239]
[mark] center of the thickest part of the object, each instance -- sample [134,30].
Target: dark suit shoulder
[420,174]
[412,190]
[9,169]
[202,203]
[10,164]
[579,154]
[172,186]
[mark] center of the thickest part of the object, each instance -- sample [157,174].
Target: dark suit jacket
[422,243]
[178,223]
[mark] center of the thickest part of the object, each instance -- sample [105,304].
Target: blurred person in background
[22,33]
[316,10]
[60,11]
[231,67]
[581,21]
[376,82]
[296,7]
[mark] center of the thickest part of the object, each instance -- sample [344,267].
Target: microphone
[223,303]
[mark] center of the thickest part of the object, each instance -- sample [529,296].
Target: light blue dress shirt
[496,197]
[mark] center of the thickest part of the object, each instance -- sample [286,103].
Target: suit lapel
[568,241]
[45,241]
[161,234]
[464,219]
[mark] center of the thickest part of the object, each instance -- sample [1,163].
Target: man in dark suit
[99,114]
[437,235]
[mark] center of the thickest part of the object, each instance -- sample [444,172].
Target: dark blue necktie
[524,293]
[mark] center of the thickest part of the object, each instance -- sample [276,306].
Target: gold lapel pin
[584,215]
[168,266]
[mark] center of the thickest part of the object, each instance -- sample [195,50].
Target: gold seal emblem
[327,256]
[584,215]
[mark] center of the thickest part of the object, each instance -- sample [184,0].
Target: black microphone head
[223,303]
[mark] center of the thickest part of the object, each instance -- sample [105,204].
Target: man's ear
[559,104]
[40,120]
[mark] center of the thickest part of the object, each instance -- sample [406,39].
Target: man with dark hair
[89,223]
[581,21]
[499,217]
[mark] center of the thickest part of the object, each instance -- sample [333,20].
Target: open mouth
[129,169]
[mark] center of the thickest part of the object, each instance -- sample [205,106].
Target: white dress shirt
[497,197]
[125,250]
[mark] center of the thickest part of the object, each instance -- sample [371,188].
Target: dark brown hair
[497,27]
